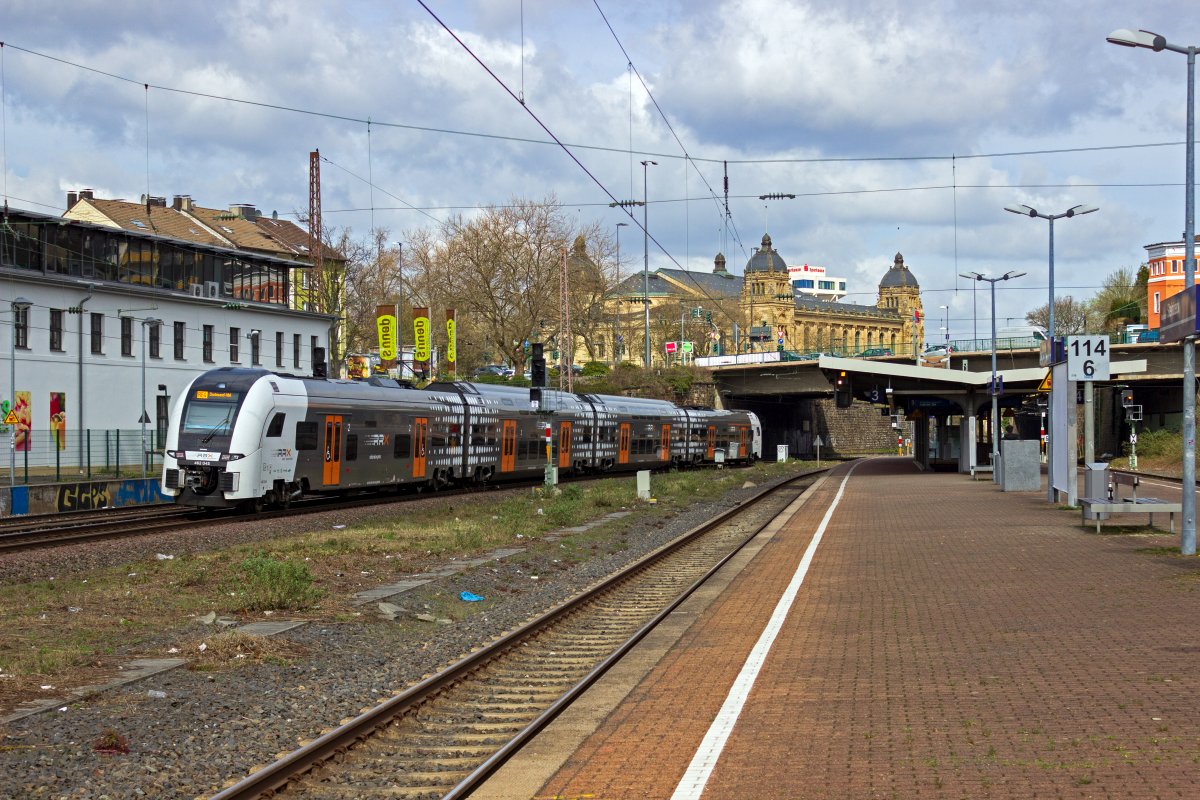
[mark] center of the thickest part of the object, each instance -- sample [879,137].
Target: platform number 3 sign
[1087,358]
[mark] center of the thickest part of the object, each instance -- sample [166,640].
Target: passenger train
[254,438]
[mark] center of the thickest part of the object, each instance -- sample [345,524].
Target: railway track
[50,530]
[444,736]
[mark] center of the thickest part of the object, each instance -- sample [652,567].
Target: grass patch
[227,650]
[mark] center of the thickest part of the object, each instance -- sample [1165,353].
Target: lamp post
[400,308]
[646,259]
[19,306]
[617,338]
[147,323]
[1073,211]
[1152,41]
[994,391]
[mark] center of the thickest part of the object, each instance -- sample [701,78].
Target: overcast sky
[900,126]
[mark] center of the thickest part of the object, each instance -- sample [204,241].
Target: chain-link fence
[54,455]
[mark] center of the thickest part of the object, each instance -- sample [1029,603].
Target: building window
[97,321]
[255,338]
[180,333]
[21,327]
[56,330]
[234,333]
[1174,267]
[312,350]
[279,348]
[126,336]
[155,332]
[296,350]
[1156,296]
[208,344]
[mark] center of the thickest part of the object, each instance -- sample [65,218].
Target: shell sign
[421,334]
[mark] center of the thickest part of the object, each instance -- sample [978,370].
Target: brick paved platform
[949,641]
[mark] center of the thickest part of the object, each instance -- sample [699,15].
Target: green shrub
[1161,442]
[594,369]
[268,584]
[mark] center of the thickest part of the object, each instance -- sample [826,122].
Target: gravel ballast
[190,733]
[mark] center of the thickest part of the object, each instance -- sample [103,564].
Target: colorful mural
[58,418]
[24,410]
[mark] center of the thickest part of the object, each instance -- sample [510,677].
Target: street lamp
[147,323]
[400,308]
[646,258]
[1073,211]
[19,307]
[617,340]
[975,276]
[1152,41]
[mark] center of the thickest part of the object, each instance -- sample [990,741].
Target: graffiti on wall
[90,495]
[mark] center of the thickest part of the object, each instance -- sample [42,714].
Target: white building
[89,315]
[812,281]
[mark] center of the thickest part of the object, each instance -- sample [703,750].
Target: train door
[623,443]
[742,451]
[665,450]
[332,473]
[564,445]
[508,446]
[711,449]
[420,445]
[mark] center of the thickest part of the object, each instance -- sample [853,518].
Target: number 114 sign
[1087,358]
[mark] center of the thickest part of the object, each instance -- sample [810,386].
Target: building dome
[766,259]
[899,276]
[719,265]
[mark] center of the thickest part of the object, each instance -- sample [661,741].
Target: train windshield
[210,417]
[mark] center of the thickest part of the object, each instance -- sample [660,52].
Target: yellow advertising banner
[385,320]
[421,334]
[450,333]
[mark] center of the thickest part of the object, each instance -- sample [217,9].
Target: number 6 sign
[1087,358]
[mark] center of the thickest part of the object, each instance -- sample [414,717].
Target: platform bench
[1145,505]
[980,469]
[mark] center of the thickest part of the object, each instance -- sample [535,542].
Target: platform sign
[1087,358]
[1177,316]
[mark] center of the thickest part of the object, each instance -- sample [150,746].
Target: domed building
[807,324]
[762,304]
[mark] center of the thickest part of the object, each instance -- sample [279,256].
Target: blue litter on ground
[469,597]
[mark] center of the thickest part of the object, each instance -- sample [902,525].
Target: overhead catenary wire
[581,146]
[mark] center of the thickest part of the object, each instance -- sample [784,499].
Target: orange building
[1165,261]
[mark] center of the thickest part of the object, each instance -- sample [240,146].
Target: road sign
[1044,386]
[11,418]
[1087,358]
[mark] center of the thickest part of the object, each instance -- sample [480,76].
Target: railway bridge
[942,409]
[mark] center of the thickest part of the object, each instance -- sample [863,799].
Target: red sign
[672,347]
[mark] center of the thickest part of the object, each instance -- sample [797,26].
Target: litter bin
[1095,485]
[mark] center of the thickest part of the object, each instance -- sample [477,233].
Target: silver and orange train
[254,438]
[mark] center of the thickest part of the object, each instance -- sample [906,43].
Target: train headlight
[232,456]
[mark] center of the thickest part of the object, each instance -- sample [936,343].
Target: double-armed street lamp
[1157,43]
[1026,211]
[995,390]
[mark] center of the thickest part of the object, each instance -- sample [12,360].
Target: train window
[403,445]
[351,447]
[275,429]
[306,436]
[437,440]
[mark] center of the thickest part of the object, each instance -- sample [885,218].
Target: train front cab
[214,454]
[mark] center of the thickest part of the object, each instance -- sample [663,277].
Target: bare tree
[1122,300]
[1070,316]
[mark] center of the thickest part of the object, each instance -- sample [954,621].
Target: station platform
[945,639]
